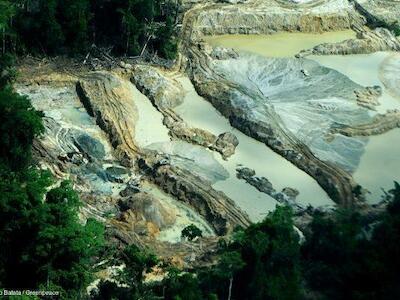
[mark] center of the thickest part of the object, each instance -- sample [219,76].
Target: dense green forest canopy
[49,27]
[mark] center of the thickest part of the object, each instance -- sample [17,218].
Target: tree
[383,259]
[50,37]
[54,27]
[20,124]
[230,263]
[271,252]
[347,256]
[131,286]
[263,260]
[65,249]
[191,232]
[166,41]
[43,243]
[74,17]
[7,10]
[132,29]
[331,253]
[137,262]
[7,70]
[181,286]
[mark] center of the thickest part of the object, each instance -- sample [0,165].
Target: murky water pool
[280,44]
[149,126]
[198,112]
[380,163]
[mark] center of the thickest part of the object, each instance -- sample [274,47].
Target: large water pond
[278,45]
[379,164]
[250,153]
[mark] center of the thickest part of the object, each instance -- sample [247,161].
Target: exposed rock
[223,53]
[268,16]
[233,1]
[380,124]
[290,192]
[125,65]
[379,12]
[90,146]
[161,90]
[226,144]
[111,103]
[117,174]
[74,147]
[243,172]
[367,41]
[198,136]
[220,211]
[180,130]
[192,158]
[368,97]
[159,87]
[261,183]
[106,97]
[145,212]
[389,74]
[287,196]
[132,187]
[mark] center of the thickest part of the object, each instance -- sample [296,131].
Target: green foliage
[395,28]
[181,285]
[167,43]
[74,17]
[346,257]
[108,290]
[8,72]
[71,26]
[331,253]
[20,124]
[191,232]
[43,242]
[54,27]
[39,29]
[64,248]
[261,262]
[270,251]
[230,263]
[7,11]
[136,262]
